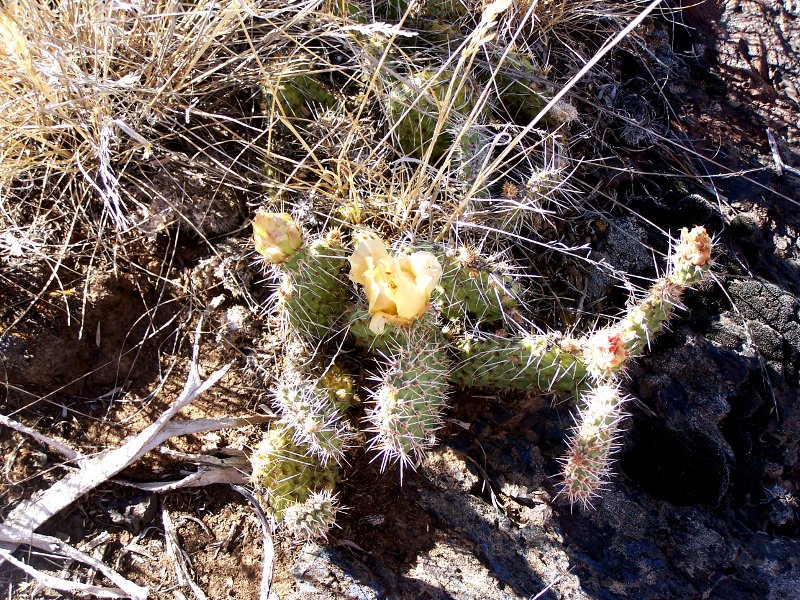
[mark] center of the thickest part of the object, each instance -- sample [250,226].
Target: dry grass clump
[128,113]
[93,89]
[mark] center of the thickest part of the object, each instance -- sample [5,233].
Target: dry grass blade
[514,144]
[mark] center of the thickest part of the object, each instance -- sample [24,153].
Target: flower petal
[398,289]
[364,258]
[377,324]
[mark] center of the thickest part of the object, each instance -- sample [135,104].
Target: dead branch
[183,566]
[206,475]
[125,589]
[268,562]
[31,514]
[57,446]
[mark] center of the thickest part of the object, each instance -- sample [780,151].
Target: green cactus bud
[283,474]
[535,361]
[314,517]
[276,236]
[340,387]
[587,464]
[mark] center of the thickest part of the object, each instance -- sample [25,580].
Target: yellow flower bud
[398,288]
[276,236]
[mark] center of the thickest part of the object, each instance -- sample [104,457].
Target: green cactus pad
[284,474]
[470,285]
[314,517]
[416,104]
[313,295]
[408,403]
[520,91]
[314,418]
[588,461]
[536,361]
[296,94]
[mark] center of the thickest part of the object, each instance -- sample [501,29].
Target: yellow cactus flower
[398,288]
[695,246]
[276,236]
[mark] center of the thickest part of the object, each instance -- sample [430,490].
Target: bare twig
[57,446]
[183,566]
[62,585]
[179,428]
[780,166]
[51,544]
[268,563]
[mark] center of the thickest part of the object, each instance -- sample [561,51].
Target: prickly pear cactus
[408,309]
[424,107]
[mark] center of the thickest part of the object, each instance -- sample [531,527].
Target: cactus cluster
[405,159]
[410,310]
